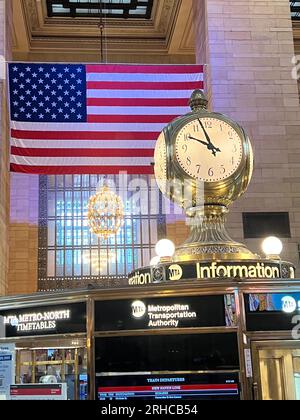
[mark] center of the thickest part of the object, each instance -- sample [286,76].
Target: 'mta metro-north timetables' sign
[59,319]
[37,321]
[245,270]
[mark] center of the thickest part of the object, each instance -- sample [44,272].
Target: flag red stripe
[145,85]
[151,69]
[143,119]
[83,135]
[20,151]
[137,102]
[78,170]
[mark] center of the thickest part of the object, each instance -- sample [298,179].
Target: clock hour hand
[210,146]
[200,141]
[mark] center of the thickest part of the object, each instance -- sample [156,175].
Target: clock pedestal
[209,239]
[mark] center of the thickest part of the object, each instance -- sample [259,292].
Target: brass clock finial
[198,100]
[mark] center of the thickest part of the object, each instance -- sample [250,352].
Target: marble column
[248,48]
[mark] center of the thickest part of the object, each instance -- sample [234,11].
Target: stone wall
[5,54]
[23,234]
[249,48]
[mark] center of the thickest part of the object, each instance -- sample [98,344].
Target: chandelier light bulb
[155,261]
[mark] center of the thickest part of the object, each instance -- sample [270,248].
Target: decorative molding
[54,36]
[188,43]
[30,7]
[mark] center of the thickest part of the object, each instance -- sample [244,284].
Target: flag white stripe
[79,161]
[101,110]
[88,127]
[139,77]
[77,144]
[139,94]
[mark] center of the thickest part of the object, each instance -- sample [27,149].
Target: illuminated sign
[289,304]
[64,318]
[37,321]
[271,311]
[163,312]
[176,272]
[138,309]
[163,316]
[140,279]
[274,302]
[39,392]
[257,271]
[212,270]
[175,386]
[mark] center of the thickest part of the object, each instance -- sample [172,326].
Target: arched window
[70,255]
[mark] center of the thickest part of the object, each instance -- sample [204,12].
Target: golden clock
[160,158]
[204,162]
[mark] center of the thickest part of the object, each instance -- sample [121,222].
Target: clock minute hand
[205,132]
[213,148]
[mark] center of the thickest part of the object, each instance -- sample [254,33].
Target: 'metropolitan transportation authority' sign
[244,270]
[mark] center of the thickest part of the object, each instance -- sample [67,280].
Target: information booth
[188,340]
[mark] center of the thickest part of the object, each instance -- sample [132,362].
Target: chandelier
[105,213]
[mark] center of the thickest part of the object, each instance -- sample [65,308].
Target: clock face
[209,149]
[160,159]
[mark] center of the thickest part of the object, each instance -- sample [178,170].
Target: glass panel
[50,365]
[106,8]
[25,368]
[167,353]
[295,9]
[296,363]
[279,372]
[297,385]
[51,264]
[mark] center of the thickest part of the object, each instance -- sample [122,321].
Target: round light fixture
[165,248]
[155,261]
[272,247]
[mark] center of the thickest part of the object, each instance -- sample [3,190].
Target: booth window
[70,255]
[261,225]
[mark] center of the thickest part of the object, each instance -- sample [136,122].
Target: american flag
[93,119]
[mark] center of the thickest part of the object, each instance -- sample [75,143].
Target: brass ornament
[205,194]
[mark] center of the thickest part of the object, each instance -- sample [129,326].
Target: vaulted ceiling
[164,35]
